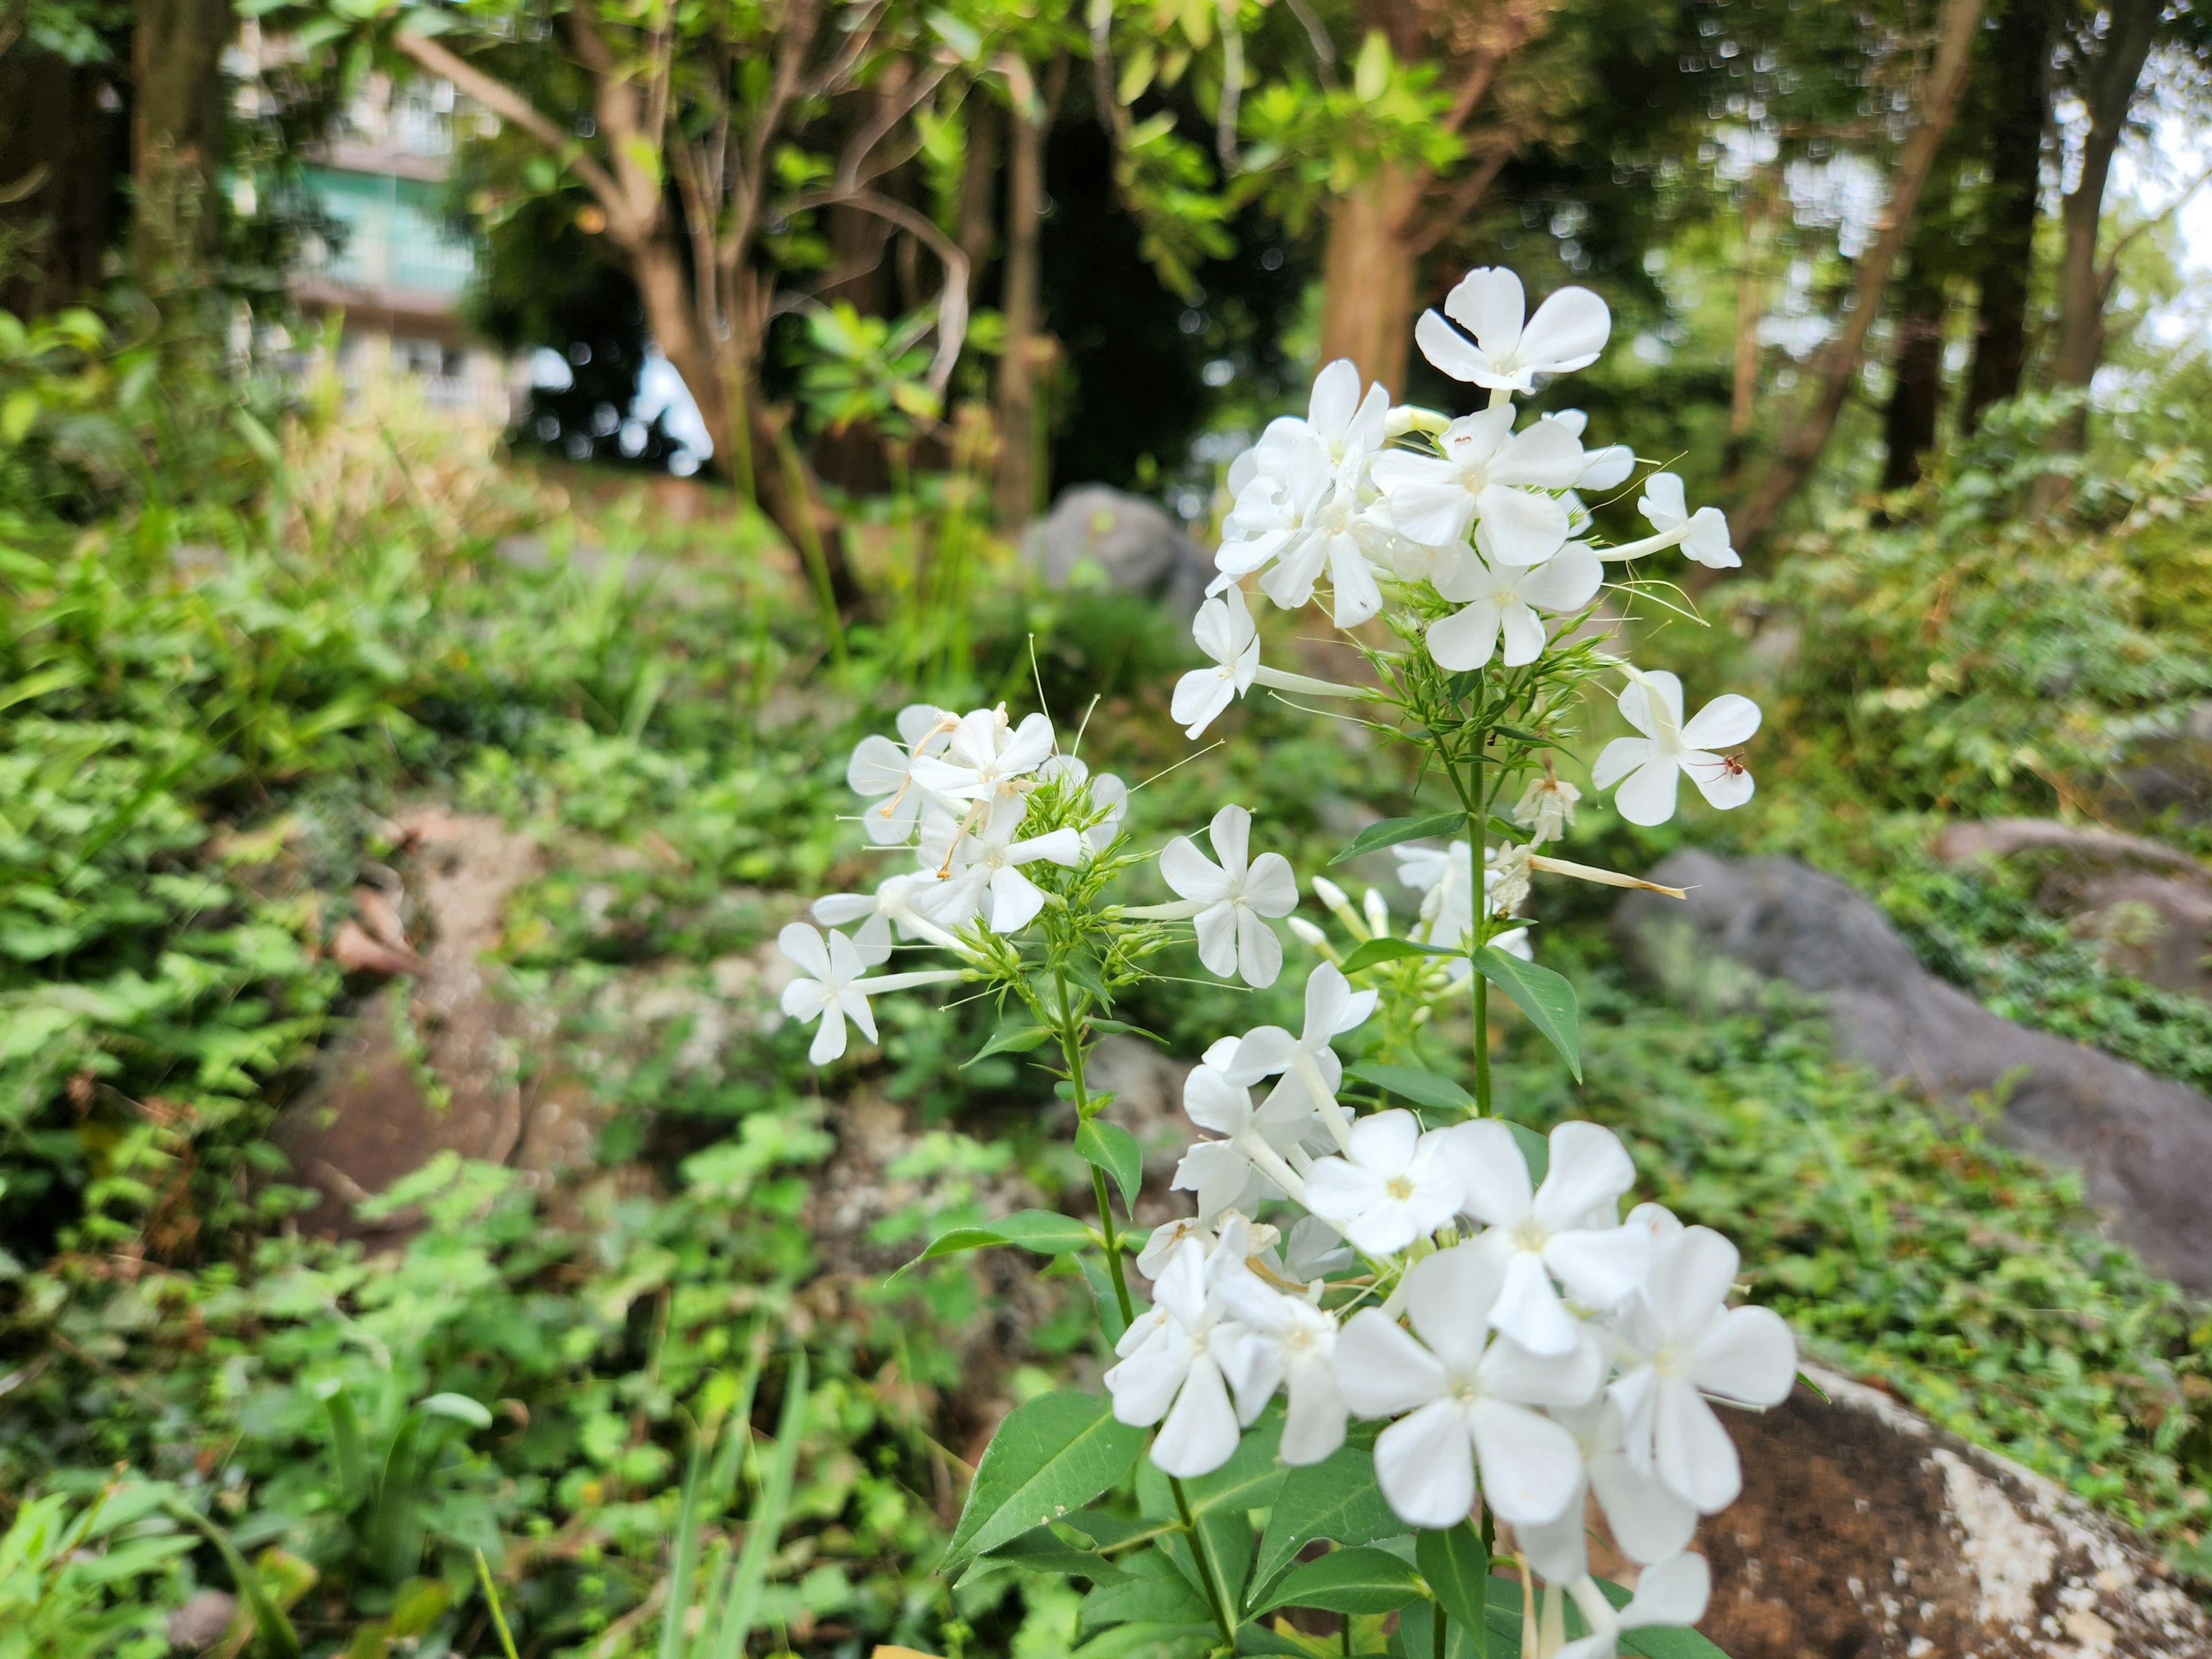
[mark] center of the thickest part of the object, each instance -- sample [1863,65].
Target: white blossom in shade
[880,772]
[1681,1342]
[1170,1370]
[1565,1228]
[1491,477]
[1246,1164]
[1662,1223]
[1159,1249]
[984,753]
[1602,469]
[1445,878]
[1648,1522]
[1673,1592]
[1284,1342]
[1505,601]
[1309,1068]
[1547,808]
[1350,426]
[986,860]
[1314,1250]
[1704,535]
[893,907]
[1333,543]
[1238,894]
[1273,512]
[1567,332]
[1467,1399]
[1391,1186]
[832,989]
[1224,631]
[1109,797]
[1652,703]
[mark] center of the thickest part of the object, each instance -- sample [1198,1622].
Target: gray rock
[1124,544]
[2143,1143]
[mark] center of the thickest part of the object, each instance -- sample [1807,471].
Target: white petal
[1425,1465]
[1216,926]
[803,999]
[1015,900]
[1567,332]
[1466,639]
[1509,1371]
[1524,636]
[1619,757]
[1381,1370]
[1568,580]
[1432,509]
[1604,469]
[1589,1171]
[1335,397]
[1213,1101]
[1724,722]
[1342,1191]
[1722,786]
[842,909]
[1558,1549]
[1690,1279]
[1259,953]
[1600,1268]
[1529,1311]
[1199,697]
[805,947]
[1692,1452]
[829,1037]
[1532,1468]
[1452,352]
[1747,1355]
[1384,1141]
[1545,456]
[1230,832]
[1662,502]
[1673,1592]
[1200,1433]
[1191,873]
[1313,1427]
[1270,886]
[1489,303]
[1449,1297]
[877,767]
[1143,1384]
[856,1006]
[1648,1522]
[1648,797]
[1519,526]
[1494,1171]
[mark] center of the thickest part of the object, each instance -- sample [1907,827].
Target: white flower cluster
[955,788]
[1523,1339]
[1490,517]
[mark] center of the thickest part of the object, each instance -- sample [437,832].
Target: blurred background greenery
[590,419]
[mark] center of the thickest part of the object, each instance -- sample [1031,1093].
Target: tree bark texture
[177,130]
[1938,106]
[2018,76]
[1915,391]
[2107,86]
[1750,309]
[1017,484]
[1367,278]
[65,156]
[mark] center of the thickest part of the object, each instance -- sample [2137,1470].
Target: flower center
[1399,1188]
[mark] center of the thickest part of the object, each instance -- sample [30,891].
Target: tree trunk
[1367,278]
[1750,307]
[1017,482]
[2108,87]
[977,233]
[64,154]
[1915,392]
[177,130]
[1939,107]
[2018,79]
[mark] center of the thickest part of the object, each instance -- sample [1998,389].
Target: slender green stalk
[1437,1634]
[498,1613]
[1204,1562]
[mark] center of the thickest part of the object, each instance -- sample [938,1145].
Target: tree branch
[1453,211]
[952,304]
[509,104]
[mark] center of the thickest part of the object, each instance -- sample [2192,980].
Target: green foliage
[90,1576]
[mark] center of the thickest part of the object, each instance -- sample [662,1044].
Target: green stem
[1436,1637]
[1477,836]
[1068,1025]
[1204,1562]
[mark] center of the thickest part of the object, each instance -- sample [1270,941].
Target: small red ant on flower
[1731,765]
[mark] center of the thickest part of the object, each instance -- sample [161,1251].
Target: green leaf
[1659,1641]
[1044,1550]
[1019,1041]
[1422,1087]
[1041,1231]
[1336,1498]
[1457,1568]
[1050,1456]
[1547,997]
[1376,952]
[459,1407]
[1534,1148]
[1114,1150]
[1347,1581]
[1250,1479]
[1391,831]
[1123,1028]
[1161,1597]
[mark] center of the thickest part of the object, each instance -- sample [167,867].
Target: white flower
[1284,1340]
[1224,631]
[1467,1398]
[1109,795]
[983,754]
[895,905]
[1232,936]
[1648,1522]
[1601,468]
[1652,703]
[1393,1184]
[1565,1228]
[986,864]
[1546,807]
[1491,475]
[832,989]
[1159,1249]
[1505,600]
[1337,540]
[1170,1368]
[1704,535]
[1683,1342]
[1310,1069]
[1293,480]
[1445,878]
[1350,426]
[1567,332]
[1246,1164]
[880,772]
[1673,1592]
